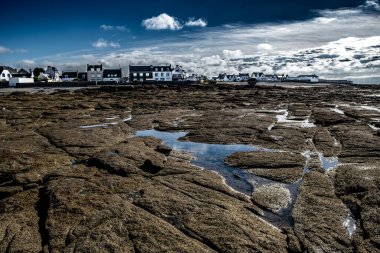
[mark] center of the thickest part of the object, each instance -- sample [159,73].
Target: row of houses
[139,73]
[158,73]
[261,77]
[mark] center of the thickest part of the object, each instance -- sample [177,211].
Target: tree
[38,71]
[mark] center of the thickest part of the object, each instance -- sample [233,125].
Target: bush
[136,82]
[211,82]
[252,82]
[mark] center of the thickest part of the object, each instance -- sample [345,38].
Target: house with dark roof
[6,73]
[82,76]
[22,76]
[243,77]
[94,73]
[112,75]
[178,74]
[140,73]
[69,76]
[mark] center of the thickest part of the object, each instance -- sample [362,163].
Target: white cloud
[4,50]
[113,28]
[102,43]
[201,22]
[162,22]
[264,47]
[28,62]
[232,53]
[371,5]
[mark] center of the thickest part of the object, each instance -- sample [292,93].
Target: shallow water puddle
[328,163]
[211,157]
[283,119]
[350,224]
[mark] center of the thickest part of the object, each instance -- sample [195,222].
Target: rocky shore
[74,177]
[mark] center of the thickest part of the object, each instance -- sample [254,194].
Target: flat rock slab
[319,216]
[273,197]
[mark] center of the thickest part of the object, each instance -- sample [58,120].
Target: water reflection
[211,157]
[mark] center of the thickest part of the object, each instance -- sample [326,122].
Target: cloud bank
[343,43]
[166,22]
[113,28]
[102,43]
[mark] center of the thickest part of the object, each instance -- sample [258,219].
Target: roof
[53,68]
[140,68]
[22,75]
[165,68]
[11,70]
[243,74]
[69,74]
[23,71]
[116,72]
[308,76]
[94,66]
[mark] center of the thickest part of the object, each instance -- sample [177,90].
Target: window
[108,75]
[162,74]
[167,74]
[147,74]
[155,74]
[92,69]
[66,76]
[134,74]
[156,69]
[9,75]
[162,69]
[141,74]
[92,75]
[3,75]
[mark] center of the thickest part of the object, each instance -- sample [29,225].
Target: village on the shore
[97,73]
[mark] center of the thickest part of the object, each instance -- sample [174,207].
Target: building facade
[94,73]
[6,73]
[112,75]
[162,73]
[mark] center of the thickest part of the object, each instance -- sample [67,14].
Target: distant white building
[6,73]
[94,73]
[163,73]
[243,77]
[259,76]
[178,73]
[22,76]
[51,74]
[304,78]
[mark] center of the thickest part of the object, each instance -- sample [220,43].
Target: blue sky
[206,37]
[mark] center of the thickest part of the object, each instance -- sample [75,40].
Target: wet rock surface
[73,178]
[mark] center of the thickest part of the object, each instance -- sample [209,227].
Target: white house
[6,73]
[243,77]
[259,76]
[22,76]
[112,75]
[304,78]
[94,73]
[178,73]
[51,74]
[163,73]
[309,78]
